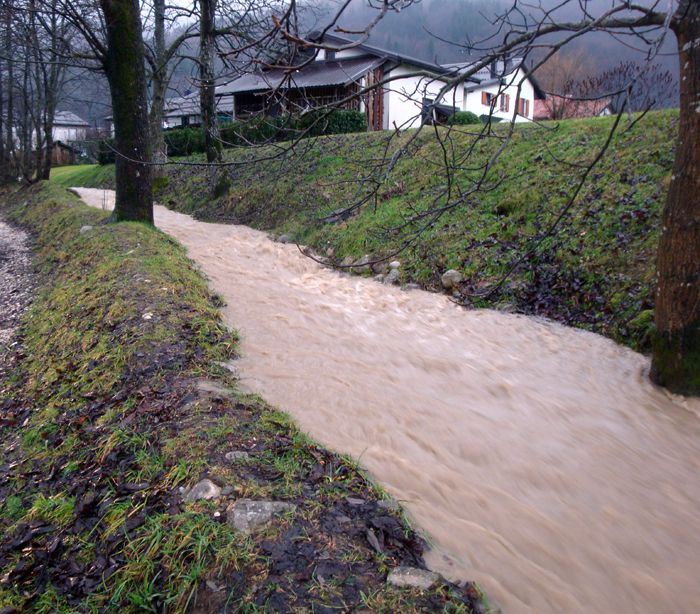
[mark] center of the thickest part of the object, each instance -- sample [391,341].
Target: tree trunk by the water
[207,98]
[676,353]
[124,67]
[159,80]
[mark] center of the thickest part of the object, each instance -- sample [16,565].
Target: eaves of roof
[315,74]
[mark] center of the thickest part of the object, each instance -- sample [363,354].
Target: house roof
[315,74]
[453,69]
[380,52]
[68,118]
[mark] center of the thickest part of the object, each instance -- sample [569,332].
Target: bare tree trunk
[124,67]
[159,80]
[676,355]
[212,142]
[10,110]
[4,162]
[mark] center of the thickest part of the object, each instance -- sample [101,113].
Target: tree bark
[159,80]
[676,353]
[207,98]
[126,75]
[10,107]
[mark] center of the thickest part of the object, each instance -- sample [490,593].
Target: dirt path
[15,286]
[539,459]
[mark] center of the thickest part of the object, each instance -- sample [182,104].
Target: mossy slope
[596,271]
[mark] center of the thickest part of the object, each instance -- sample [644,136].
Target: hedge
[188,141]
[462,118]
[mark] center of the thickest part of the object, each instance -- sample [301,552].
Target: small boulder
[236,455]
[203,490]
[85,229]
[392,277]
[411,286]
[450,279]
[230,366]
[379,278]
[380,267]
[245,515]
[211,387]
[347,261]
[285,239]
[394,264]
[389,504]
[412,577]
[362,264]
[337,216]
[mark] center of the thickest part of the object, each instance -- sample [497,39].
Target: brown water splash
[539,459]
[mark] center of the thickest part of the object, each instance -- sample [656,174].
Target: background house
[67,126]
[413,93]
[185,110]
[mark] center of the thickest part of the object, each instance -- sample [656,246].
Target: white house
[413,91]
[67,126]
[185,110]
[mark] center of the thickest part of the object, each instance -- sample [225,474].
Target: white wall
[404,98]
[69,133]
[473,103]
[403,102]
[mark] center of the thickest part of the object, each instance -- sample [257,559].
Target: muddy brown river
[538,459]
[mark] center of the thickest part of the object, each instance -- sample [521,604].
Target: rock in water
[412,577]
[450,279]
[245,514]
[392,277]
[206,489]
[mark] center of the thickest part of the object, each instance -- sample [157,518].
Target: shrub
[463,118]
[188,141]
[105,151]
[184,141]
[333,122]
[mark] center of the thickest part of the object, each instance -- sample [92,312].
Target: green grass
[596,271]
[83,175]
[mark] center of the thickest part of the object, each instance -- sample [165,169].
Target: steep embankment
[130,458]
[596,271]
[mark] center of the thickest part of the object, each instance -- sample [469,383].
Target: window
[523,107]
[505,103]
[487,98]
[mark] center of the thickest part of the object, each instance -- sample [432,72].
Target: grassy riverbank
[596,271]
[120,403]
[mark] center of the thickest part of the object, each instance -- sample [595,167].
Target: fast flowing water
[538,459]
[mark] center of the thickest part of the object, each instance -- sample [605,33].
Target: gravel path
[15,287]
